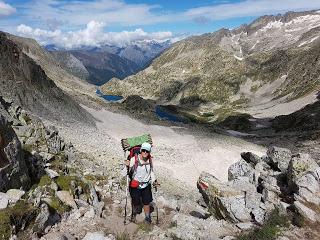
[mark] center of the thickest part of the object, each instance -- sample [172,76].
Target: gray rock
[51,173]
[306,212]
[270,196]
[96,236]
[300,166]
[23,117]
[226,200]
[190,228]
[308,186]
[47,157]
[45,220]
[98,208]
[66,198]
[245,226]
[271,190]
[42,219]
[251,158]
[90,213]
[229,238]
[81,203]
[15,195]
[253,199]
[283,207]
[13,168]
[259,215]
[56,144]
[279,157]
[4,200]
[56,236]
[241,169]
[94,200]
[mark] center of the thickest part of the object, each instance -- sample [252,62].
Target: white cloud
[77,13]
[6,9]
[92,35]
[250,8]
[74,14]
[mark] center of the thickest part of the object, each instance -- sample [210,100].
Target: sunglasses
[143,150]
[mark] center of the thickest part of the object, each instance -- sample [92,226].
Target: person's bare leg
[146,209]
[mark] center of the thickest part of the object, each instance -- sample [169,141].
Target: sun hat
[146,146]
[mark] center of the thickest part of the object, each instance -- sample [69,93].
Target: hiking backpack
[133,145]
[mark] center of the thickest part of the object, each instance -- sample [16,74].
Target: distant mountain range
[267,68]
[98,65]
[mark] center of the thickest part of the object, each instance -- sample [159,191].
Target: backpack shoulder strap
[150,161]
[135,162]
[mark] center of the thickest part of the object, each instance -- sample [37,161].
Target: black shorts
[143,195]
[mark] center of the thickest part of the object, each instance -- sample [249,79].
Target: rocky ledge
[289,183]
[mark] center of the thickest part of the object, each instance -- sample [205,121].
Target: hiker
[142,177]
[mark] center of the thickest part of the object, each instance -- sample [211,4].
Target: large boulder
[251,158]
[15,195]
[304,178]
[234,200]
[306,212]
[13,168]
[45,220]
[279,157]
[299,165]
[241,169]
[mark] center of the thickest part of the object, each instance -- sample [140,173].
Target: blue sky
[82,22]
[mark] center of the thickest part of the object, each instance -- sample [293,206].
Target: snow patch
[238,134]
[311,21]
[271,25]
[308,42]
[238,58]
[254,45]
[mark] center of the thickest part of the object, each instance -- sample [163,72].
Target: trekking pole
[156,203]
[127,186]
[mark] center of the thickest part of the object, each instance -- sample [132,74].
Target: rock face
[13,172]
[235,200]
[280,180]
[102,66]
[28,86]
[279,157]
[307,118]
[45,219]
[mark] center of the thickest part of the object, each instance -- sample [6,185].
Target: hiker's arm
[129,163]
[153,178]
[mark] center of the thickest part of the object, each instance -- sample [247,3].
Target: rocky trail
[213,186]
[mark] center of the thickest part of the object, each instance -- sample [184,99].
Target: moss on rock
[18,215]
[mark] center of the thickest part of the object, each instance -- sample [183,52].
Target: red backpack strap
[150,161]
[135,162]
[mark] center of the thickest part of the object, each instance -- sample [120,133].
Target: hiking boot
[147,220]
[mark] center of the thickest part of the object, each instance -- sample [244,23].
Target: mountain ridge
[26,83]
[105,62]
[248,69]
